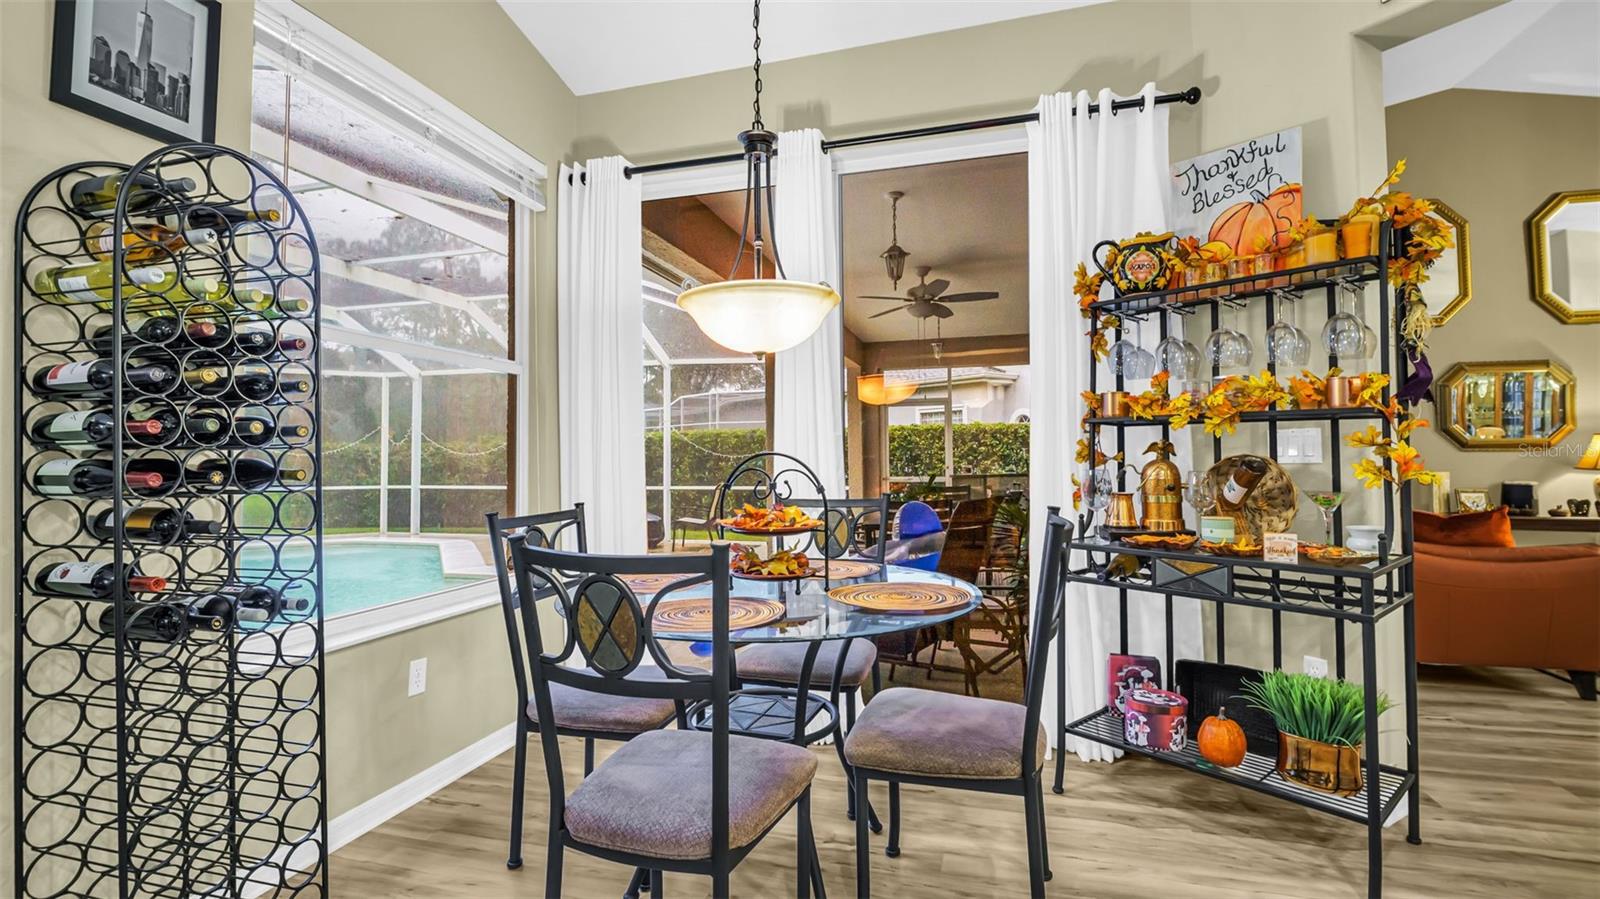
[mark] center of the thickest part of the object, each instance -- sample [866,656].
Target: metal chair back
[548,529]
[1048,605]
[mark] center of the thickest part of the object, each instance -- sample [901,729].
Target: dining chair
[849,664]
[591,716]
[690,801]
[965,555]
[907,735]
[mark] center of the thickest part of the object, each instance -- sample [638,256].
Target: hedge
[980,448]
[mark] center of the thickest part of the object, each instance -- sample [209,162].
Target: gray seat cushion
[779,663]
[652,796]
[911,731]
[583,710]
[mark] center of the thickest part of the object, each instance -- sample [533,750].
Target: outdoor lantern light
[875,391]
[758,315]
[894,258]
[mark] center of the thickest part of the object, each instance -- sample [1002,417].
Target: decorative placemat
[694,615]
[903,597]
[845,569]
[648,584]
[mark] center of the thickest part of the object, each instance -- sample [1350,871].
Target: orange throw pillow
[1491,528]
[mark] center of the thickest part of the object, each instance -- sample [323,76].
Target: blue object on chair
[918,537]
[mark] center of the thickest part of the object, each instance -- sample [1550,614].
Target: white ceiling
[602,45]
[966,219]
[1527,46]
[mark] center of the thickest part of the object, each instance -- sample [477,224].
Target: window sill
[355,628]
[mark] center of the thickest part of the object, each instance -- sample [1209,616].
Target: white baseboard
[375,811]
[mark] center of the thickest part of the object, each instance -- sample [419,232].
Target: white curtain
[600,301]
[1090,178]
[808,390]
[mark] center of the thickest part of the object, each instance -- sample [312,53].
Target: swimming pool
[361,575]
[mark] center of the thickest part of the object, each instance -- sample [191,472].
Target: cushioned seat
[911,731]
[582,710]
[653,795]
[779,663]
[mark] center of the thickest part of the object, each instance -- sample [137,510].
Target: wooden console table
[1571,524]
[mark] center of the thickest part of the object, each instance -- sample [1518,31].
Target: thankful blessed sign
[1208,185]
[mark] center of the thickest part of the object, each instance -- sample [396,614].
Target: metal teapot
[1161,490]
[1138,264]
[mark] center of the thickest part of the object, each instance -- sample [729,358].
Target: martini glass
[1327,502]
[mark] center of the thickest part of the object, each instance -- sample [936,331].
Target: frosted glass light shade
[759,316]
[875,391]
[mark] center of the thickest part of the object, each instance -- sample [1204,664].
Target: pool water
[363,575]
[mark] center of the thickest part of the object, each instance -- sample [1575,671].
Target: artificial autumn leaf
[1404,428]
[1371,473]
[1370,437]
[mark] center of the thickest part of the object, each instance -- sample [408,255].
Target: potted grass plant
[1321,725]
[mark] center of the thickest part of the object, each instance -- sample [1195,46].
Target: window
[934,415]
[419,378]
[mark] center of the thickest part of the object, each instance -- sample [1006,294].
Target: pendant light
[875,391]
[758,315]
[894,258]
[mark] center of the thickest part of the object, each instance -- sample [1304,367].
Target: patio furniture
[592,716]
[683,525]
[915,736]
[780,664]
[691,801]
[918,538]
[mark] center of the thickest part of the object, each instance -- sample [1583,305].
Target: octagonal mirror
[1564,254]
[1449,284]
[1507,405]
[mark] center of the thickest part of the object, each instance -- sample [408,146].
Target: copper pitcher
[1121,514]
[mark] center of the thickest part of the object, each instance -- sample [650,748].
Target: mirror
[1507,405]
[1449,284]
[1564,253]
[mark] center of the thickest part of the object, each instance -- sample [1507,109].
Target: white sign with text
[1207,186]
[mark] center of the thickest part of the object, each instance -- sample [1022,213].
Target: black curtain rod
[1190,96]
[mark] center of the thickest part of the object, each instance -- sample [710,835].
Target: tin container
[1114,404]
[1156,720]
[1343,390]
[1217,528]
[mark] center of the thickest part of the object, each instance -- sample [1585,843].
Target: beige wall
[377,737]
[1495,158]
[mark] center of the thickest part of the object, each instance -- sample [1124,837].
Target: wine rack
[169,735]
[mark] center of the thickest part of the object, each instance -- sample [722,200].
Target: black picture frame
[104,103]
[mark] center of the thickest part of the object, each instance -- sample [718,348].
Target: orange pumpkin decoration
[1247,227]
[1221,740]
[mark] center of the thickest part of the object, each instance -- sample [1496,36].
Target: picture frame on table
[149,66]
[1472,499]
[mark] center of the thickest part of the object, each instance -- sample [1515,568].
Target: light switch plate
[1299,446]
[418,679]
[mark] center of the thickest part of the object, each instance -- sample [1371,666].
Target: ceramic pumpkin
[1221,740]
[1245,227]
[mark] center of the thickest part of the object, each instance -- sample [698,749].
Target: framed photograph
[147,65]
[1472,499]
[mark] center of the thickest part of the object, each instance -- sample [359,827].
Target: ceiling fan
[928,298]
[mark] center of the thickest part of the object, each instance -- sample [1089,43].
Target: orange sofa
[1520,607]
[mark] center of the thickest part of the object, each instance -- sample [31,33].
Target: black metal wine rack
[190,761]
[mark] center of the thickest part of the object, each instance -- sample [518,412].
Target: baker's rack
[1359,596]
[189,764]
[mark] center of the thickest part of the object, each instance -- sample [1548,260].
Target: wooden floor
[1511,810]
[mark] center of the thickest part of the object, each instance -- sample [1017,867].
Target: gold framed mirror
[1449,284]
[1507,405]
[1564,256]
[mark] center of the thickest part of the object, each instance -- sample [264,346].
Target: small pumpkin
[1221,740]
[1246,227]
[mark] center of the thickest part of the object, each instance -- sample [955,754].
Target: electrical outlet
[418,681]
[1315,667]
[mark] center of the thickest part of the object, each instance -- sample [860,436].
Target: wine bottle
[144,287]
[205,424]
[152,524]
[160,329]
[172,471]
[100,376]
[217,218]
[252,474]
[90,477]
[263,342]
[160,622]
[146,242]
[256,603]
[98,196]
[91,428]
[94,580]
[1243,481]
[250,381]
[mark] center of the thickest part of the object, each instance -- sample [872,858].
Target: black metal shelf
[1311,277]
[1353,413]
[1256,772]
